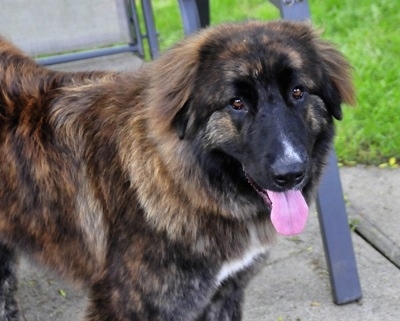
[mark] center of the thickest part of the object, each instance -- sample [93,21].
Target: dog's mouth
[289,210]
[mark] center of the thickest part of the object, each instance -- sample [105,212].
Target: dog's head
[257,101]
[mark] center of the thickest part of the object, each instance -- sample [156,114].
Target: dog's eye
[237,104]
[297,93]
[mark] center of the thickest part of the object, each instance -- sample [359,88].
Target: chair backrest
[53,27]
[70,30]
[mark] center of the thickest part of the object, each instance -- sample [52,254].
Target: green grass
[367,33]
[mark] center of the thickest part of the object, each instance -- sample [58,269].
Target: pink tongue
[289,212]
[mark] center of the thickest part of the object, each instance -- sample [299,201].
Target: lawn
[367,33]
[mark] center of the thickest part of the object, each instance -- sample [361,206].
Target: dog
[160,191]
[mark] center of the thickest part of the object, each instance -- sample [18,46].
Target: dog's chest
[254,250]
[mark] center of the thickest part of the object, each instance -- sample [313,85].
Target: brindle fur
[132,184]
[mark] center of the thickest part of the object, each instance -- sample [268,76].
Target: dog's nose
[288,175]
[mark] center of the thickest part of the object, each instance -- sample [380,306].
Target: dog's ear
[339,86]
[171,84]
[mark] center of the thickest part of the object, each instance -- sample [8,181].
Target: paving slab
[373,201]
[295,284]
[43,296]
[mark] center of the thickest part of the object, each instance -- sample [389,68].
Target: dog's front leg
[8,284]
[160,293]
[226,304]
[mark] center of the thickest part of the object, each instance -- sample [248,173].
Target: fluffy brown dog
[160,190]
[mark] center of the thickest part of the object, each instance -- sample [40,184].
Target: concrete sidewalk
[295,284]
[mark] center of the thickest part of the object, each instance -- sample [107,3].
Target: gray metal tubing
[150,28]
[59,59]
[293,9]
[134,26]
[190,16]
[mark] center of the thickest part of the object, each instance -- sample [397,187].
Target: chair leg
[293,9]
[151,32]
[134,27]
[336,236]
[190,15]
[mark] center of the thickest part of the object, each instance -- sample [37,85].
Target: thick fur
[137,185]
